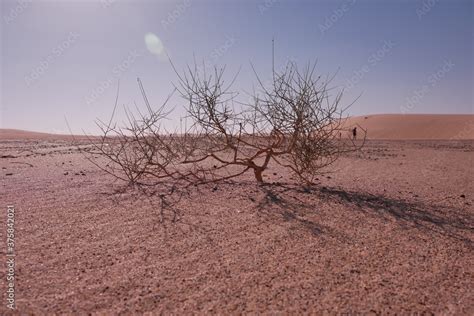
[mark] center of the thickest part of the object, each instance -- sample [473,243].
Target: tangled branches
[295,123]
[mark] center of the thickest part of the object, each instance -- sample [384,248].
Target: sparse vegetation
[296,122]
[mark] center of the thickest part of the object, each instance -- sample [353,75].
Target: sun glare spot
[154,44]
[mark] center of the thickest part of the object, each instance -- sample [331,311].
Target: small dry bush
[296,122]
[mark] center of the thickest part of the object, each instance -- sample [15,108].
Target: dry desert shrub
[296,122]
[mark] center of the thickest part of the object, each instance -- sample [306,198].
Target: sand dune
[416,126]
[21,134]
[17,134]
[383,126]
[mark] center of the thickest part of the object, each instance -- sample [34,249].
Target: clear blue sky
[63,58]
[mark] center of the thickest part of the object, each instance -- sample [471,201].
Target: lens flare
[154,44]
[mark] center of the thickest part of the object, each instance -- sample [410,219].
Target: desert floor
[391,230]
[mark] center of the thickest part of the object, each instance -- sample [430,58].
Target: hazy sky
[64,58]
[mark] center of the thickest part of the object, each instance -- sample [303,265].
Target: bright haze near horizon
[62,60]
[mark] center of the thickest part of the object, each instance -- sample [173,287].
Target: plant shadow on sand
[296,204]
[449,222]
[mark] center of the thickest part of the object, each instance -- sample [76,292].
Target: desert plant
[295,122]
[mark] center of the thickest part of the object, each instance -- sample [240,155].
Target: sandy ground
[390,231]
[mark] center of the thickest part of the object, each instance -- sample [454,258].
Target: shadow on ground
[291,203]
[449,222]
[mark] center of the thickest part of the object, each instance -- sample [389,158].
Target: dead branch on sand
[296,122]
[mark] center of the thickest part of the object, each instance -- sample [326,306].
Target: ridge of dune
[18,134]
[416,126]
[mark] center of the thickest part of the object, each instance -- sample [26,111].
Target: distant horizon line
[4,129]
